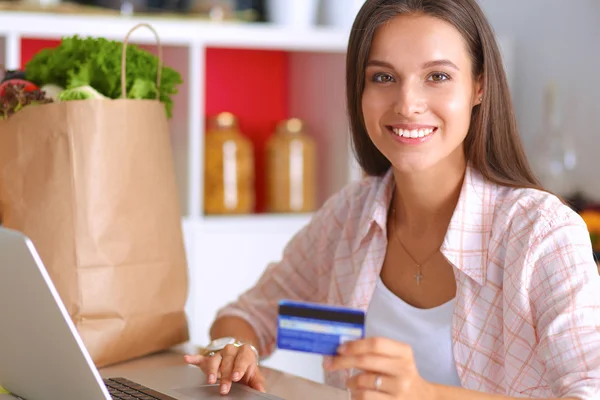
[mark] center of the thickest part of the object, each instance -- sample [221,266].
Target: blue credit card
[316,328]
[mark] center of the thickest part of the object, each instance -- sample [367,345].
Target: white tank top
[427,331]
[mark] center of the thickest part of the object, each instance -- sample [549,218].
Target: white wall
[556,40]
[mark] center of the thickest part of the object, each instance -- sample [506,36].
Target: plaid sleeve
[565,300]
[303,273]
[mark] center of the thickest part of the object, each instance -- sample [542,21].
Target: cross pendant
[418,277]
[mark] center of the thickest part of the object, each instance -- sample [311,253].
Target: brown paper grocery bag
[92,183]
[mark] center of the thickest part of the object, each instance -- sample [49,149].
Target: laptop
[43,357]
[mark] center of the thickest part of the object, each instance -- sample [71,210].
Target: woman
[475,280]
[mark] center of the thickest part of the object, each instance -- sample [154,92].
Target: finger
[193,359]
[376,345]
[373,382]
[371,363]
[229,353]
[245,363]
[211,368]
[257,381]
[208,365]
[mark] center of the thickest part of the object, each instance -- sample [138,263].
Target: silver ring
[378,383]
[211,354]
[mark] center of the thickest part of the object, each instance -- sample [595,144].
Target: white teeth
[415,133]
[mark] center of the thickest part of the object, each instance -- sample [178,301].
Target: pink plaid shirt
[527,315]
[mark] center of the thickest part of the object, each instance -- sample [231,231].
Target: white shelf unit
[226,254]
[316,74]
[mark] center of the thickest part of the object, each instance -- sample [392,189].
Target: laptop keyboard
[124,389]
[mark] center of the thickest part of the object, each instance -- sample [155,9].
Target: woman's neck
[425,201]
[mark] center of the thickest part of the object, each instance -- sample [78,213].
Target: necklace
[419,275]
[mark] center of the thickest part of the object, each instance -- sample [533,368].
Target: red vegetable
[15,97]
[27,86]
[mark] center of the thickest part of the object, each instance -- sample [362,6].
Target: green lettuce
[96,62]
[80,93]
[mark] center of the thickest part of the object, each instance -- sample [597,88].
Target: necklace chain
[419,275]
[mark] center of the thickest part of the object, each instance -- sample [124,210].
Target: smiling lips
[412,133]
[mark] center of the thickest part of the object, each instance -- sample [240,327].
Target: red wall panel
[31,46]
[252,84]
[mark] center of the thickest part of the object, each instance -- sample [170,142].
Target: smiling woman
[452,40]
[476,282]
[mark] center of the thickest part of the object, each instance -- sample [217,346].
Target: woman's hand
[232,364]
[389,370]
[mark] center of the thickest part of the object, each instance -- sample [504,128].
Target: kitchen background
[555,41]
[265,62]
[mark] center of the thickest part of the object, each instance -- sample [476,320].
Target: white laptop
[42,356]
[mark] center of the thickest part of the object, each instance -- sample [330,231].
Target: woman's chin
[411,166]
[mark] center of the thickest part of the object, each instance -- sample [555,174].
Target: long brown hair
[492,145]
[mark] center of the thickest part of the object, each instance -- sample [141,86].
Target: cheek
[453,108]
[374,105]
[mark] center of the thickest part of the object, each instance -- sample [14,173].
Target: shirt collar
[466,242]
[378,203]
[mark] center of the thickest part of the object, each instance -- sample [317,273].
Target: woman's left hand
[389,370]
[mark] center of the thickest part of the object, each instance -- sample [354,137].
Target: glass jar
[291,169]
[228,168]
[555,157]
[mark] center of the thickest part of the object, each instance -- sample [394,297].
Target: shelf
[173,31]
[256,224]
[295,73]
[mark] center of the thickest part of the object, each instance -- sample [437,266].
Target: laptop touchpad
[210,392]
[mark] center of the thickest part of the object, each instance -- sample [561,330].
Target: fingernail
[212,379]
[224,388]
[236,376]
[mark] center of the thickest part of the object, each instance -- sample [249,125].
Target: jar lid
[292,125]
[225,120]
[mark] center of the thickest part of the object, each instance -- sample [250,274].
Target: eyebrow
[428,64]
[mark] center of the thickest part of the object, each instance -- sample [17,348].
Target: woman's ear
[478,89]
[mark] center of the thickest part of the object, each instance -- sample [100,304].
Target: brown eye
[439,77]
[382,78]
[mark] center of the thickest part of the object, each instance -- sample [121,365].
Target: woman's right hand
[232,364]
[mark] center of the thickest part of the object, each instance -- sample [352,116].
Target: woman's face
[419,92]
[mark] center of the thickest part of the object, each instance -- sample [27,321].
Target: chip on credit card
[317,328]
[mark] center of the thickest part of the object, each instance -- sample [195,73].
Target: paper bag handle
[124,60]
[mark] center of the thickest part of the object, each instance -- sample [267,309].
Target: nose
[410,100]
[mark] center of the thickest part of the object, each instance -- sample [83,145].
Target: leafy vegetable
[27,86]
[16,97]
[96,62]
[80,93]
[142,89]
[52,91]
